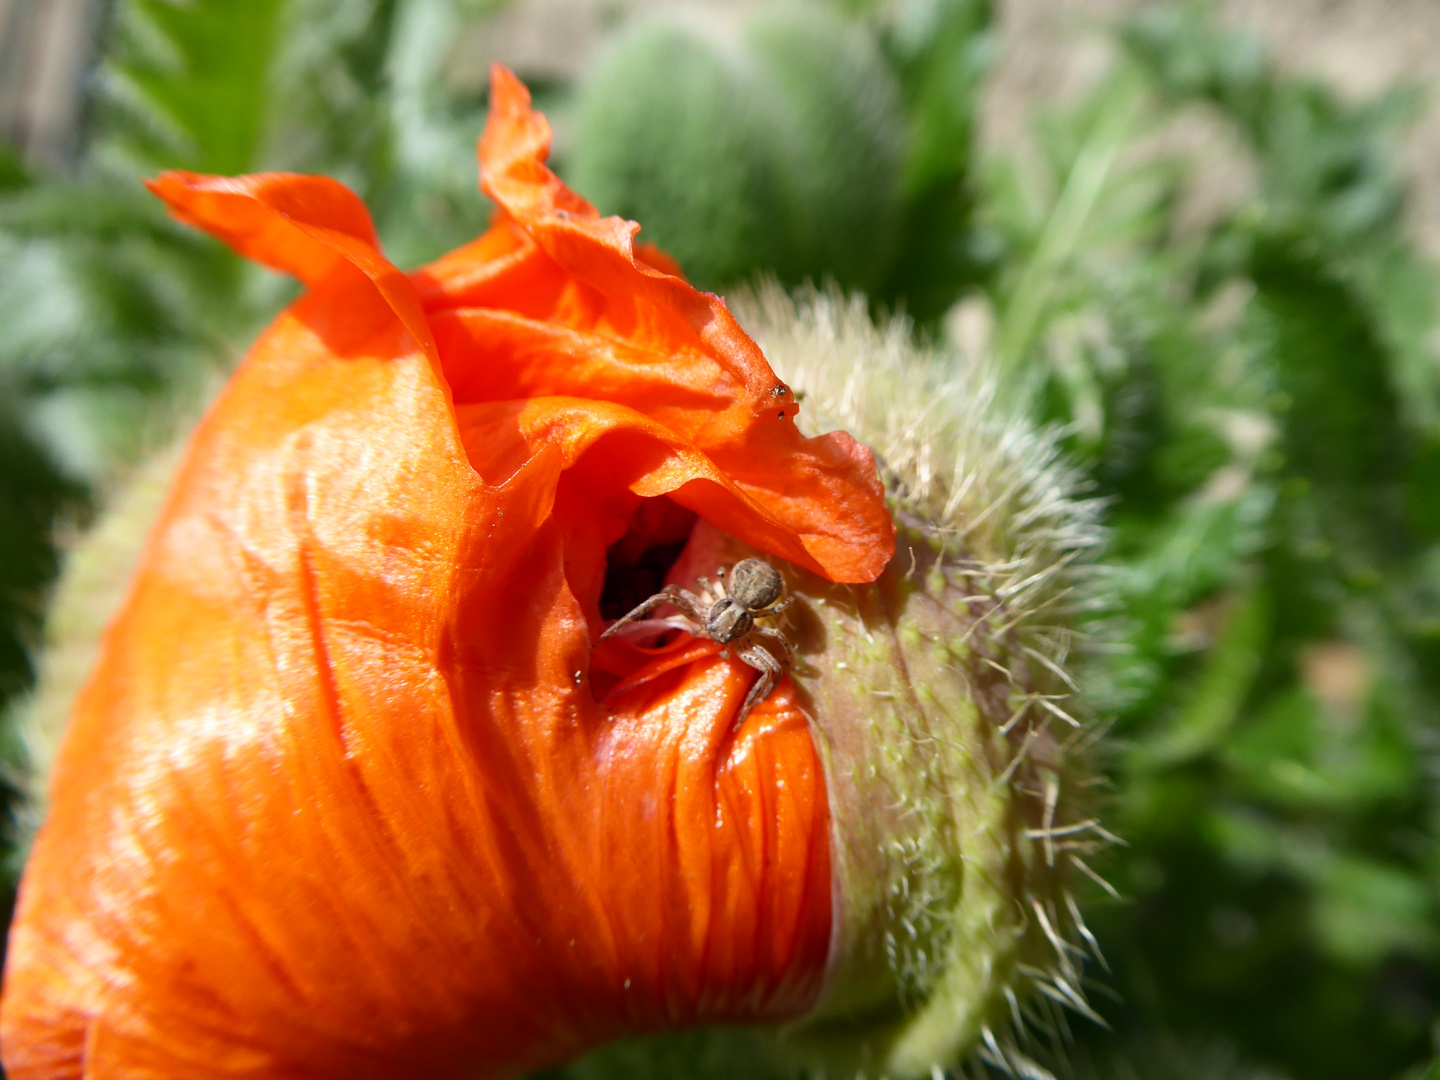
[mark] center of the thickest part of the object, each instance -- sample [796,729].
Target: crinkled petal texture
[341,798]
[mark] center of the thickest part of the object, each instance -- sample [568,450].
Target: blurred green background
[1205,264]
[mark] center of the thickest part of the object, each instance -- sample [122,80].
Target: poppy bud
[351,789]
[773,143]
[355,788]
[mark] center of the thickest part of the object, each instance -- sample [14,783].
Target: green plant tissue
[775,145]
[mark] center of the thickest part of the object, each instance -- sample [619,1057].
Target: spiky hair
[1015,539]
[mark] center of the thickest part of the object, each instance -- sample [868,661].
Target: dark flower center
[637,563]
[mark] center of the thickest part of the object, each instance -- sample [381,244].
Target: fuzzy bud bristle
[947,708]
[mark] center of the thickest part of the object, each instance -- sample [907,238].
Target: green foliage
[1257,397]
[701,1054]
[941,50]
[191,84]
[1258,402]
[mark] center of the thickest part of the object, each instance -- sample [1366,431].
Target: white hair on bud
[954,454]
[1014,524]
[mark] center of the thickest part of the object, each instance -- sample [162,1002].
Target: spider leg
[771,634]
[690,605]
[781,606]
[674,595]
[769,668]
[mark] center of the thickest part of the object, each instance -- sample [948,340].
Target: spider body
[727,621]
[727,615]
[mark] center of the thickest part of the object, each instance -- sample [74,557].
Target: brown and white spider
[727,614]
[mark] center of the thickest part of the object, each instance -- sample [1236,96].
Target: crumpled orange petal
[340,798]
[556,269]
[308,226]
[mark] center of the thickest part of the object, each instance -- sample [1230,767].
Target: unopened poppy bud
[384,767]
[773,139]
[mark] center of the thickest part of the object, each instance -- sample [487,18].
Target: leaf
[1338,407]
[942,50]
[1213,703]
[188,84]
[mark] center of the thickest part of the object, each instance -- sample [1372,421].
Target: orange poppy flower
[351,792]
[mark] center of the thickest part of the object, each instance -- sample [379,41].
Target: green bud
[843,143]
[955,746]
[677,133]
[776,144]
